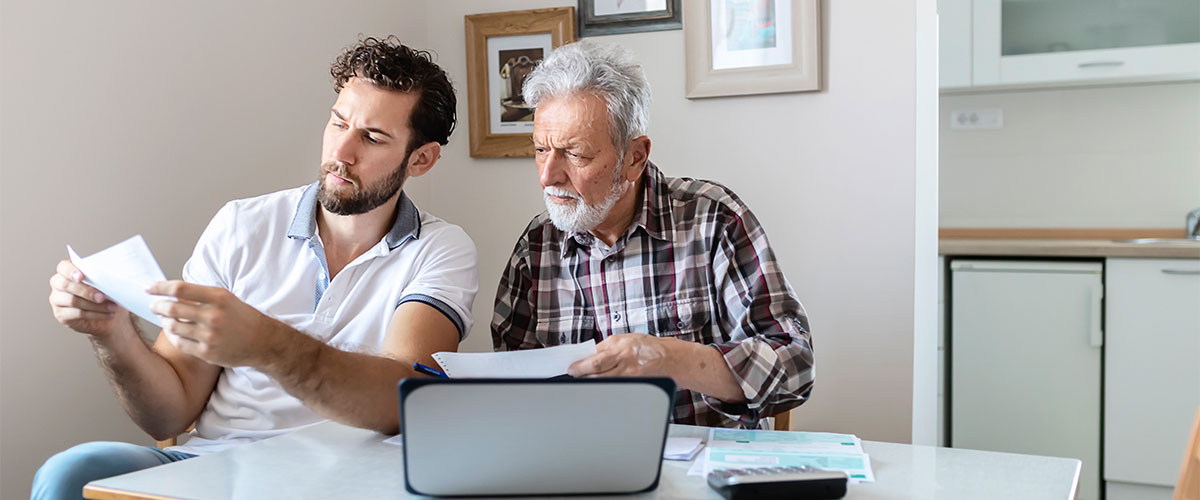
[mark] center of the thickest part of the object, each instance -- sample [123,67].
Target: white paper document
[533,363]
[123,272]
[682,448]
[740,449]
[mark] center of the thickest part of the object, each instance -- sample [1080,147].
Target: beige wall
[105,133]
[832,175]
[1093,157]
[141,117]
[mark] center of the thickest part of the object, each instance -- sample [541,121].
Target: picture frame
[611,17]
[502,48]
[741,47]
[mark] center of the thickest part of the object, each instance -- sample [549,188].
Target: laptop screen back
[533,437]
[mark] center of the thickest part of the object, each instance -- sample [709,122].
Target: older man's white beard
[579,217]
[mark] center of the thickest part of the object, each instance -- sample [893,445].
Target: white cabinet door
[1064,42]
[1025,343]
[954,44]
[941,351]
[1152,367]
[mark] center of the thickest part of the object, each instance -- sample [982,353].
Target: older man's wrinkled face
[579,168]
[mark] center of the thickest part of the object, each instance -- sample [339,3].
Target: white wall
[832,175]
[141,117]
[1114,157]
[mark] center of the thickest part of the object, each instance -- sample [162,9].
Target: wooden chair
[173,440]
[783,422]
[1188,485]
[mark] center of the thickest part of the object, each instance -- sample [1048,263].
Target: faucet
[1193,224]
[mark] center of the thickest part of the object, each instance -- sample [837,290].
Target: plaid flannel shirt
[695,265]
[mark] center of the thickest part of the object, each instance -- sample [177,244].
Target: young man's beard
[361,199]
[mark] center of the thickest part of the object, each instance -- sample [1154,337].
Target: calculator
[771,483]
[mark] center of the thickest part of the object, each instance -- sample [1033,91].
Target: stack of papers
[741,449]
[682,448]
[533,363]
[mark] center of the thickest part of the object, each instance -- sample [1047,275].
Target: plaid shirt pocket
[560,330]
[689,320]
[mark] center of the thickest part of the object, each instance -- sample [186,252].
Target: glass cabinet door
[1044,26]
[1068,42]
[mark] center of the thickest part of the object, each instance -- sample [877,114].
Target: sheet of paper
[533,363]
[682,448]
[856,465]
[740,448]
[122,272]
[810,441]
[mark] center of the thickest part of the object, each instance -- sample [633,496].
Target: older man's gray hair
[606,70]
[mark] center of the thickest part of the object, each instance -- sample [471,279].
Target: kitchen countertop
[1038,247]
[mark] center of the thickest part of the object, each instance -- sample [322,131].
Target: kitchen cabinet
[941,353]
[1035,43]
[954,44]
[1025,352]
[1152,372]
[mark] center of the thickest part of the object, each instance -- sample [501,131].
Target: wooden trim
[1059,233]
[1188,485]
[558,22]
[94,492]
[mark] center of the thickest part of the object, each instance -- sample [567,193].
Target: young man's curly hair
[391,65]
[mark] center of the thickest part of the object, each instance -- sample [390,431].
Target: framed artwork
[738,47]
[502,49]
[609,17]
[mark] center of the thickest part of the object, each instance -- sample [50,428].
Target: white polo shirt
[266,251]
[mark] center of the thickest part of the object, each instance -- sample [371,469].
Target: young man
[672,276]
[298,306]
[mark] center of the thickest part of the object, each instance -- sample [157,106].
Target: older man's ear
[636,156]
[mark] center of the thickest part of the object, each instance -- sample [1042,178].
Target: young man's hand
[83,308]
[212,324]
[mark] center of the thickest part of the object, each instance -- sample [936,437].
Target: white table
[330,460]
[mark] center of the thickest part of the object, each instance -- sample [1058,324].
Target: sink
[1162,241]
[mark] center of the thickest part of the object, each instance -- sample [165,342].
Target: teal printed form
[854,464]
[784,437]
[747,448]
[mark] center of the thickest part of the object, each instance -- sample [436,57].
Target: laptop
[563,436]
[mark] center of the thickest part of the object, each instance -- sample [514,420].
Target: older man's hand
[626,355]
[212,324]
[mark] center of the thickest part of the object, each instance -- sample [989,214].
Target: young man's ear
[423,158]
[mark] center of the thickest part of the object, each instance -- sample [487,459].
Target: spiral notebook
[546,362]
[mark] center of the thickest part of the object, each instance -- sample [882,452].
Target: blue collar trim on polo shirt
[407,223]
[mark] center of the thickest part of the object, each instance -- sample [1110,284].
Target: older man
[672,276]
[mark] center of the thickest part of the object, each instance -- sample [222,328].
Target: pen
[420,368]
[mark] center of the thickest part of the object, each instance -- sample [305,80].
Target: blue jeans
[64,474]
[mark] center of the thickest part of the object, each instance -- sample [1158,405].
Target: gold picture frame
[502,48]
[740,47]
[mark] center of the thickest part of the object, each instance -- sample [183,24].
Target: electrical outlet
[971,119]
